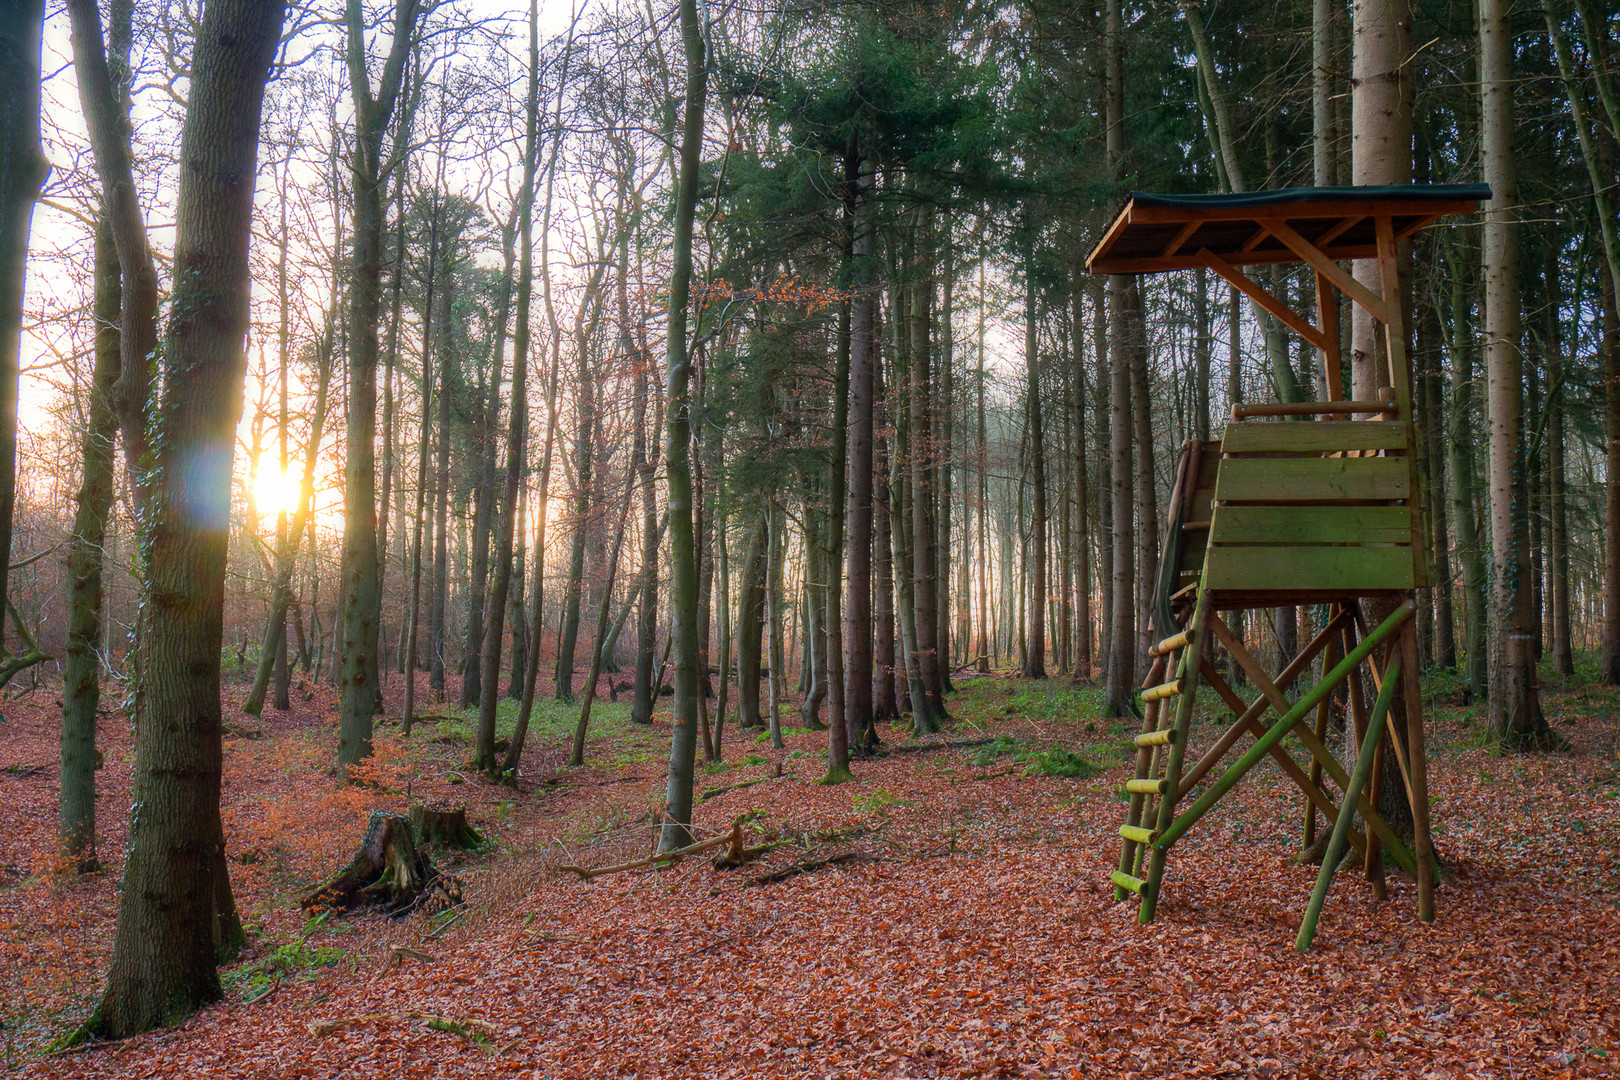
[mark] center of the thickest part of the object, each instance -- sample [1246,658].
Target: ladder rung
[1192,526]
[1162,737]
[1162,691]
[1171,644]
[1131,884]
[1147,787]
[1138,834]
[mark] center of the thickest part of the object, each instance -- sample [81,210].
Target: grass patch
[1057,699]
[1053,760]
[295,960]
[878,800]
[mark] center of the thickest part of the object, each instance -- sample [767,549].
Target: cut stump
[445,829]
[389,871]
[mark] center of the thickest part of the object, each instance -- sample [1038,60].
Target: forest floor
[960,923]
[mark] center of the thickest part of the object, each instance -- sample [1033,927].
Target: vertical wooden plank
[1330,656]
[1418,766]
[1395,329]
[1327,317]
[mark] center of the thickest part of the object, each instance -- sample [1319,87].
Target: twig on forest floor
[810,865]
[399,953]
[733,836]
[716,792]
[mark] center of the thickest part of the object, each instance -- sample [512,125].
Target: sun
[275,490]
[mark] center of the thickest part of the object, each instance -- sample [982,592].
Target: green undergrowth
[294,961]
[1053,760]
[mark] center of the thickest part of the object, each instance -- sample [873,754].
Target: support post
[1358,780]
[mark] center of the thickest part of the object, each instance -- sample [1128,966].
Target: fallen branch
[734,837]
[732,858]
[715,792]
[809,865]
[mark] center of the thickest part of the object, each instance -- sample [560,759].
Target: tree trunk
[584,458]
[1080,460]
[23,169]
[1563,652]
[81,672]
[1464,483]
[1611,507]
[361,619]
[176,915]
[1122,630]
[1035,652]
[1147,500]
[490,635]
[1516,718]
[921,543]
[676,832]
[862,385]
[438,607]
[885,702]
[750,630]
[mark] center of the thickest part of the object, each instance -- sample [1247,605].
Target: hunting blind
[1303,503]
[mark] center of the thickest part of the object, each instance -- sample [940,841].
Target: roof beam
[1279,310]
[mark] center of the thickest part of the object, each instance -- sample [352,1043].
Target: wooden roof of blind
[1153,233]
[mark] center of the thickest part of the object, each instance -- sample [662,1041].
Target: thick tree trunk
[862,386]
[921,540]
[23,169]
[176,916]
[1516,717]
[1122,628]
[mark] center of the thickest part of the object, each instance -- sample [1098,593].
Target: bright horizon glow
[274,490]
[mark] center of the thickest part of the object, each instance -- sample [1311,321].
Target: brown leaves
[968,933]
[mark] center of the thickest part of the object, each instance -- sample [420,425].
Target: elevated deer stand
[1279,514]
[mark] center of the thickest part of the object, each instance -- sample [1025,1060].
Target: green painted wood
[1356,569]
[1311,525]
[1173,831]
[1313,480]
[1341,826]
[1138,834]
[1132,884]
[1324,436]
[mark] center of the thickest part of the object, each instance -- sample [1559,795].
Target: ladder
[1160,748]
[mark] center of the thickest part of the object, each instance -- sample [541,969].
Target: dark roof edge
[1283,196]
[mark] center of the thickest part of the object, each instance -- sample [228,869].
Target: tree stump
[445,828]
[389,870]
